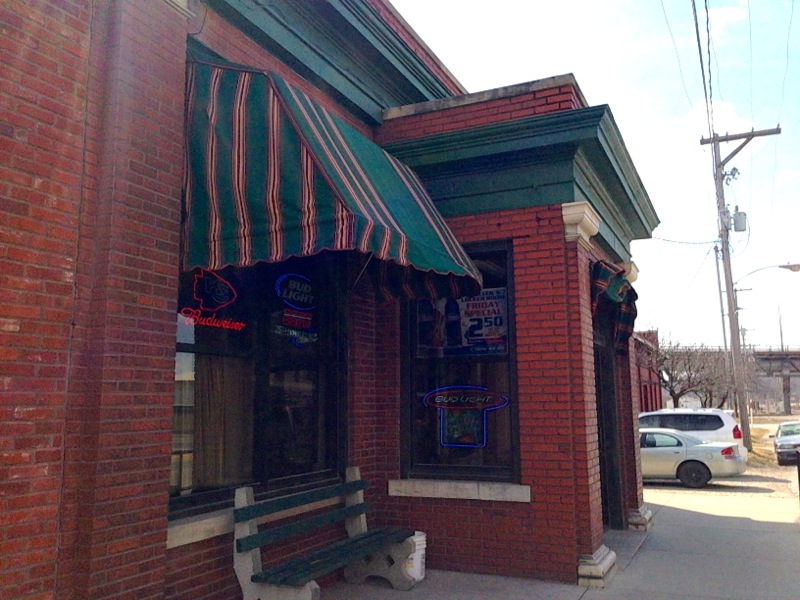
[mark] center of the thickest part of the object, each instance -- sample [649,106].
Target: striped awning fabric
[271,174]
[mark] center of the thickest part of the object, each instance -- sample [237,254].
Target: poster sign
[463,411]
[469,326]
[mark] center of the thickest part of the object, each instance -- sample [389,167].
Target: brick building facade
[92,176]
[650,392]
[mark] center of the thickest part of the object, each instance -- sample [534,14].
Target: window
[257,395]
[458,414]
[649,421]
[694,422]
[659,440]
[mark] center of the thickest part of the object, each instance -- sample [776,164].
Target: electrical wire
[702,66]
[780,106]
[683,242]
[750,36]
[786,66]
[710,78]
[752,115]
[677,55]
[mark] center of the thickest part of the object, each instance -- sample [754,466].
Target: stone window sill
[462,490]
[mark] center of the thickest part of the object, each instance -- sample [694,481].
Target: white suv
[712,424]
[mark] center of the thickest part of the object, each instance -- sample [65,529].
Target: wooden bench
[379,552]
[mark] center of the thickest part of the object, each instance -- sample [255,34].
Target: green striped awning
[271,174]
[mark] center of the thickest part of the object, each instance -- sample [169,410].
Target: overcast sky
[641,57]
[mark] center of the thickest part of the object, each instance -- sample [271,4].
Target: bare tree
[697,370]
[717,388]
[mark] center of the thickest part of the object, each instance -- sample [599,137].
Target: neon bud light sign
[297,294]
[462,412]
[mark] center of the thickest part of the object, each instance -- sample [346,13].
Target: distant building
[645,345]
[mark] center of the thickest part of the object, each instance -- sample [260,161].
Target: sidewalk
[703,545]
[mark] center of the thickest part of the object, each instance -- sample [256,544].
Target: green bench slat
[276,505]
[301,570]
[344,547]
[276,534]
[337,561]
[284,570]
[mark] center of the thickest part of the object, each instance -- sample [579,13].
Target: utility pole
[737,364]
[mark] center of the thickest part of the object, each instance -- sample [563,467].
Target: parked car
[787,442]
[671,454]
[710,424]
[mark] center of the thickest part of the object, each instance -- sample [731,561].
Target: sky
[643,59]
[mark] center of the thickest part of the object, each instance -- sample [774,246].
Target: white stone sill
[462,490]
[206,526]
[202,527]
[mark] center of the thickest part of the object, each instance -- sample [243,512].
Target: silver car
[787,442]
[710,424]
[671,454]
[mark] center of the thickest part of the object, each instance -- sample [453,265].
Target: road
[780,482]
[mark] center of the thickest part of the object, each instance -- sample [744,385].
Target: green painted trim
[340,46]
[549,159]
[531,133]
[380,36]
[479,190]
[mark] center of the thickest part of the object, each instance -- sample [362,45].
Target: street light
[794,267]
[736,350]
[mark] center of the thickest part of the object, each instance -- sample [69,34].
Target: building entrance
[607,421]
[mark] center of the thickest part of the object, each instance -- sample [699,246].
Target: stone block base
[640,519]
[596,569]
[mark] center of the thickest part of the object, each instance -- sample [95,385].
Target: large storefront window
[459,420]
[257,379]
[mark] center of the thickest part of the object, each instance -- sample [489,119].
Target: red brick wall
[468,115]
[650,394]
[91,179]
[204,572]
[42,103]
[633,493]
[119,412]
[374,397]
[590,513]
[556,407]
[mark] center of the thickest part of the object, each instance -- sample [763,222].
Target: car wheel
[782,463]
[694,474]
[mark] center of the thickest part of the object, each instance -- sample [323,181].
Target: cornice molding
[581,222]
[181,7]
[342,46]
[381,35]
[541,131]
[631,270]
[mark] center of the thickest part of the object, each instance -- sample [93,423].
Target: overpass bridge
[781,363]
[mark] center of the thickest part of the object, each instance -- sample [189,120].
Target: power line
[702,66]
[684,242]
[677,54]
[710,79]
[750,36]
[786,67]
